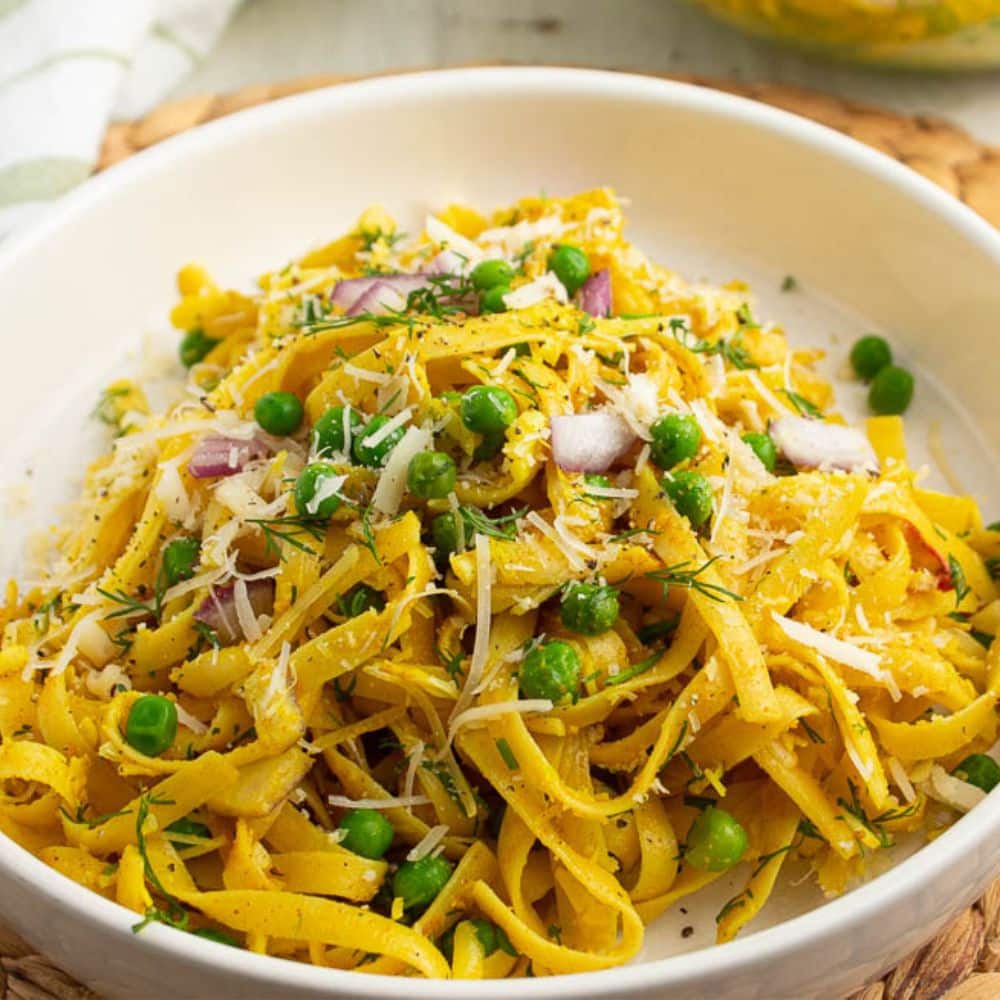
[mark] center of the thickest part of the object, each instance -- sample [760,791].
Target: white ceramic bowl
[726,186]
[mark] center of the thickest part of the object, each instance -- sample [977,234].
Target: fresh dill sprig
[682,575]
[478,523]
[289,529]
[631,533]
[105,409]
[805,408]
[130,606]
[958,581]
[636,669]
[174,915]
[369,237]
[875,825]
[732,350]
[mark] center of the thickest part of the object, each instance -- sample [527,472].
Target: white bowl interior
[719,188]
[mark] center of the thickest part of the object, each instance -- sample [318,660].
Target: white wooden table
[276,39]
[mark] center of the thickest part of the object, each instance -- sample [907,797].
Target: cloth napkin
[68,67]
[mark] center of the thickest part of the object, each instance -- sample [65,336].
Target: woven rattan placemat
[961,963]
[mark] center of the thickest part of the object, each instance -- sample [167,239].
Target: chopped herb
[680,575]
[478,523]
[677,743]
[993,566]
[765,859]
[503,748]
[452,663]
[289,529]
[790,284]
[657,630]
[734,904]
[804,407]
[369,237]
[875,825]
[521,257]
[636,669]
[345,692]
[958,581]
[810,732]
[631,533]
[983,638]
[733,350]
[745,316]
[131,605]
[106,409]
[808,829]
[554,931]
[174,915]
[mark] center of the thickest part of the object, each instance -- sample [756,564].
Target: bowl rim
[827,921]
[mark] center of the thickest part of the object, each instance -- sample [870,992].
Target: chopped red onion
[589,442]
[815,444]
[445,263]
[595,295]
[218,455]
[218,610]
[389,292]
[347,292]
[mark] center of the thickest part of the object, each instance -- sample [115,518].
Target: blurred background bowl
[911,34]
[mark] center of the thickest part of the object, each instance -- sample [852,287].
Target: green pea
[676,438]
[492,937]
[195,346]
[588,608]
[359,599]
[570,266]
[179,558]
[431,475]
[366,832]
[551,670]
[444,534]
[151,725]
[488,409]
[188,828]
[891,391]
[490,273]
[491,301]
[375,455]
[869,355]
[312,498]
[279,413]
[691,495]
[715,842]
[328,431]
[417,883]
[763,447]
[219,937]
[979,770]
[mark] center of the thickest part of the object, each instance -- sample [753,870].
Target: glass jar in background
[915,34]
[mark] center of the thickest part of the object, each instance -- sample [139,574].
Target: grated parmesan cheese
[442,233]
[430,840]
[548,286]
[244,612]
[481,713]
[393,802]
[839,651]
[392,482]
[537,521]
[484,618]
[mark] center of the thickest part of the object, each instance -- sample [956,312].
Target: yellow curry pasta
[485,593]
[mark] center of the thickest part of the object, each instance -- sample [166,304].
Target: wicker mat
[961,963]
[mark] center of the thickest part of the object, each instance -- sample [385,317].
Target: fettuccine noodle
[804,661]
